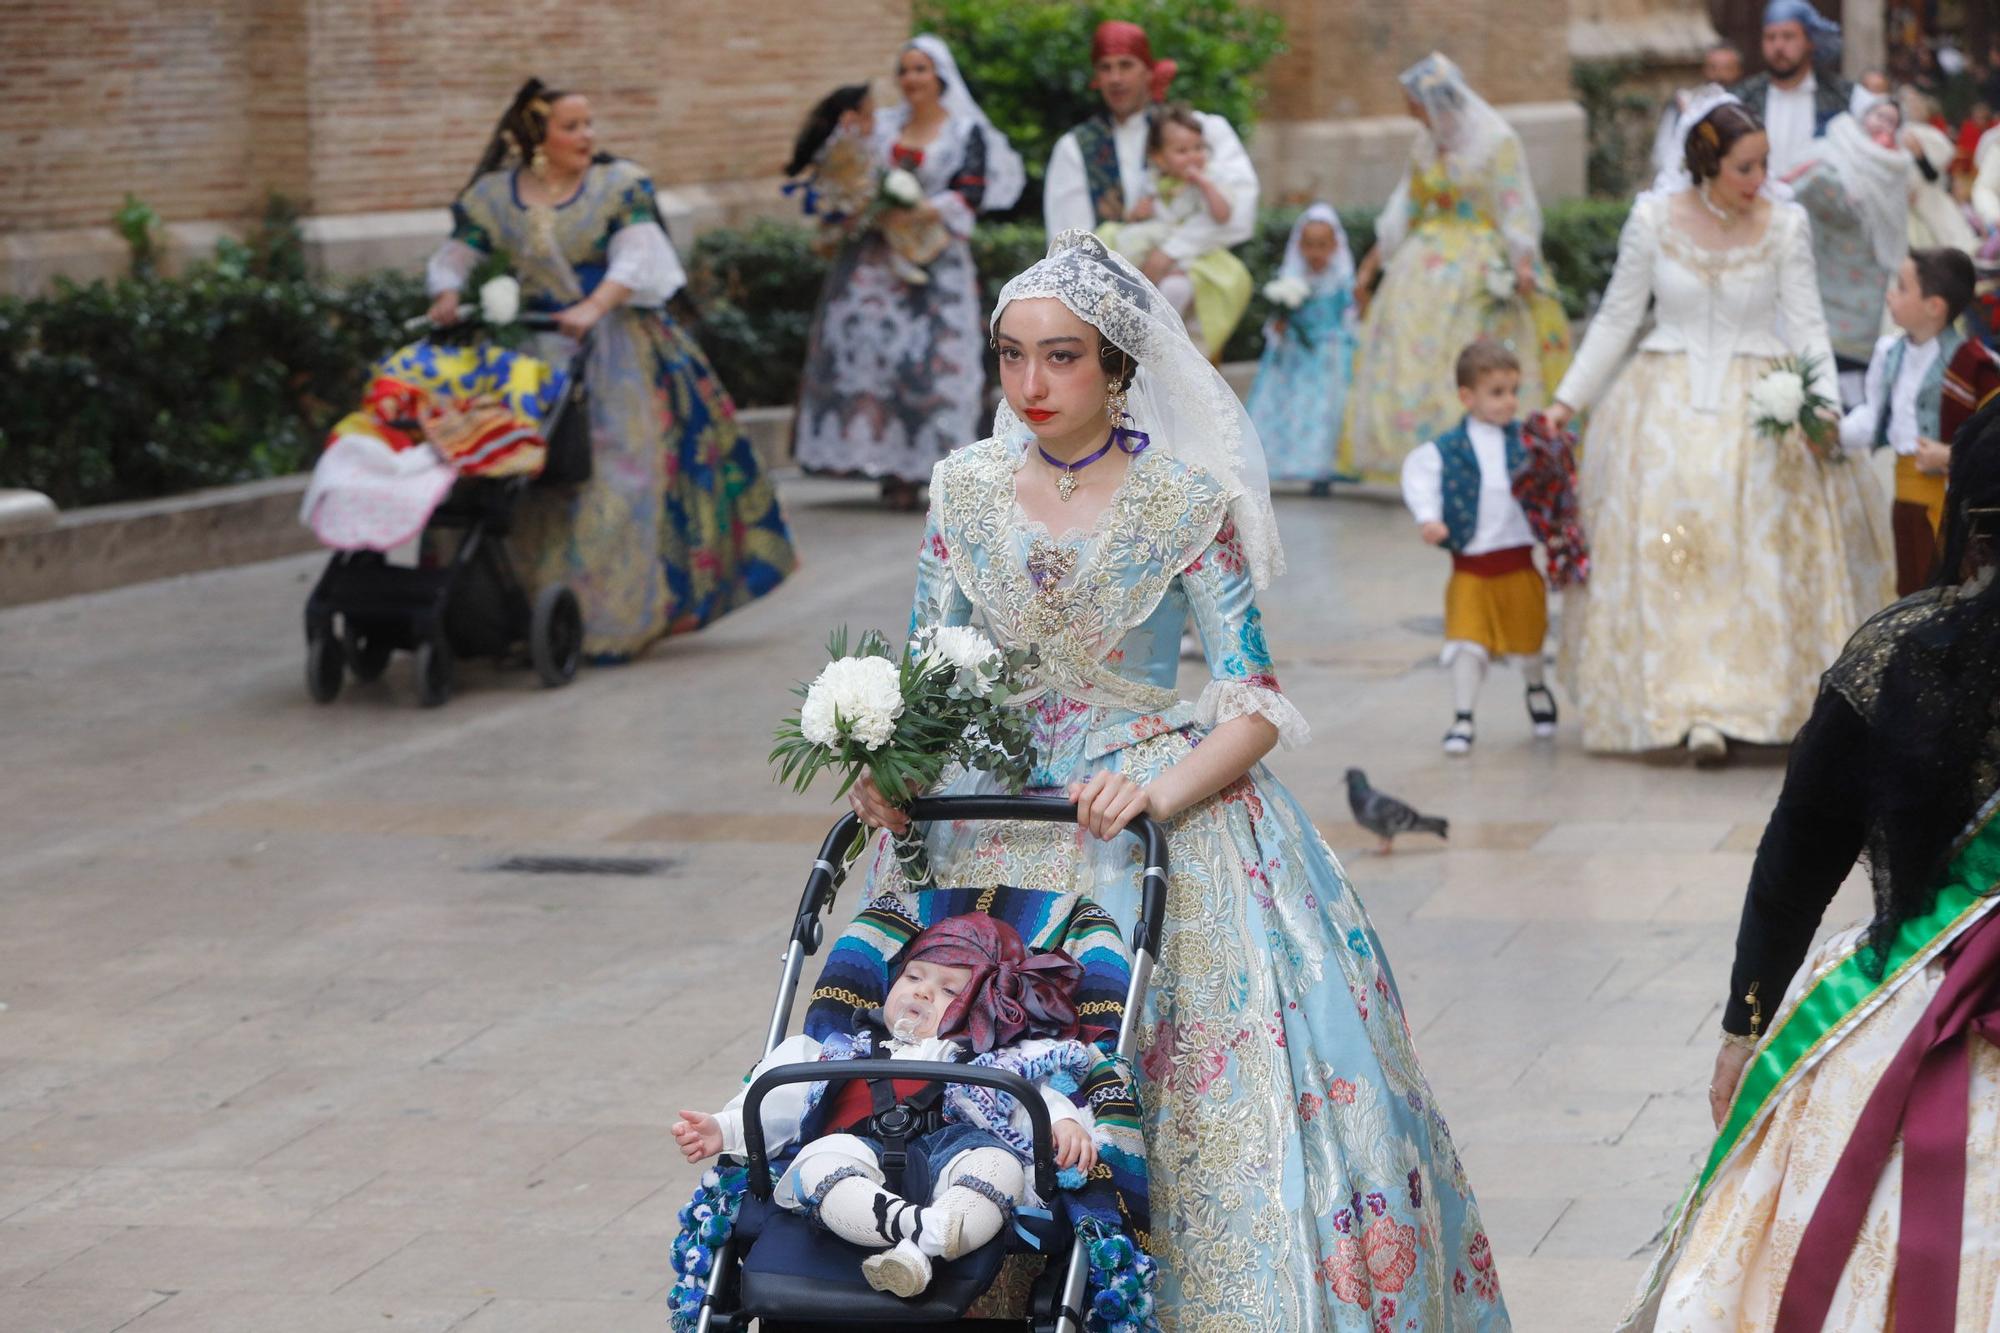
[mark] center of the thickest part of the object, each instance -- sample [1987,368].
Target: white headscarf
[1005,175]
[1339,271]
[1876,181]
[1177,398]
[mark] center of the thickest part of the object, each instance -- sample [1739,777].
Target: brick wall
[1345,57]
[361,105]
[147,96]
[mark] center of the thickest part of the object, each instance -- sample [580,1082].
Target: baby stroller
[472,605]
[776,1269]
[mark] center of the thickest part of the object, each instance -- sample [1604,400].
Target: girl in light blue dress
[1302,1175]
[1299,398]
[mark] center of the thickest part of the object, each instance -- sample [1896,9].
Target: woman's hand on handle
[1108,802]
[874,808]
[444,309]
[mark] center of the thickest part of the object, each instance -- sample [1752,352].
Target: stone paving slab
[284,1046]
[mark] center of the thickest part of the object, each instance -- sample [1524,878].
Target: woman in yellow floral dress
[1461,237]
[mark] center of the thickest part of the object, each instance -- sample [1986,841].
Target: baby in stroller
[965,988]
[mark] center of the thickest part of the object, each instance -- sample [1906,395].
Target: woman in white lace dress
[1729,568]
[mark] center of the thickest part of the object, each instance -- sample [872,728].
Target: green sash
[1836,1002]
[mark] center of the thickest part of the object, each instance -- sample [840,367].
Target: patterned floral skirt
[1302,1176]
[1727,572]
[895,372]
[678,524]
[1432,302]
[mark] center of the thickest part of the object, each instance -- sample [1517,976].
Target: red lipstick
[1037,413]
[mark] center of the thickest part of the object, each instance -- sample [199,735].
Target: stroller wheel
[367,654]
[435,670]
[555,635]
[323,667]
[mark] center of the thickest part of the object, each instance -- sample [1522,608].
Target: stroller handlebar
[934,1071]
[829,870]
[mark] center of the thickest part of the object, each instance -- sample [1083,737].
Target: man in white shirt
[1794,100]
[1098,169]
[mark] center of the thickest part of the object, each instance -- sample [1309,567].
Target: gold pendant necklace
[1066,482]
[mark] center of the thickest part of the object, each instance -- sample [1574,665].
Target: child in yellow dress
[1459,488]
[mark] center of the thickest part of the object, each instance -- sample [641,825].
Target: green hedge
[756,286]
[153,386]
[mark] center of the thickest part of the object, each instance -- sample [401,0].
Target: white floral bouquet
[1287,293]
[1501,282]
[899,188]
[1784,400]
[906,719]
[500,300]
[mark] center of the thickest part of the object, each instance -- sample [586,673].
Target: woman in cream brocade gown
[1729,568]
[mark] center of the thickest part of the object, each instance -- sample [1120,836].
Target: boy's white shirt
[1501,523]
[1857,428]
[785,1108]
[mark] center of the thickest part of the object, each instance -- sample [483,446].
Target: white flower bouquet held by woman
[499,300]
[1287,293]
[1783,400]
[900,189]
[905,720]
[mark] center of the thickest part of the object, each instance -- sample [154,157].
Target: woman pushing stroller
[967,986]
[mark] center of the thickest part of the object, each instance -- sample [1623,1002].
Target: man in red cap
[1098,169]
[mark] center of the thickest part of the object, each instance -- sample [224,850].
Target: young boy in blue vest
[1460,490]
[1904,396]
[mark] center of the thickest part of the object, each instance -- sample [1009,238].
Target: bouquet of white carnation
[500,300]
[1287,293]
[906,719]
[1783,401]
[899,188]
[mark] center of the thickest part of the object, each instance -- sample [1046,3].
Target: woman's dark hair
[1118,364]
[1947,274]
[1714,135]
[523,126]
[1935,725]
[822,122]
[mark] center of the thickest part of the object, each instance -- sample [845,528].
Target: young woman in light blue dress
[1302,1176]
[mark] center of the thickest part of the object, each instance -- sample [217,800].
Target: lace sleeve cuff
[1222,700]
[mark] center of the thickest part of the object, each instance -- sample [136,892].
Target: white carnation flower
[902,187]
[1779,396]
[964,649]
[500,300]
[855,696]
[1501,283]
[1290,293]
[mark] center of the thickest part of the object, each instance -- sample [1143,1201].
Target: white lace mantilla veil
[1177,397]
[1005,174]
[1676,177]
[1463,127]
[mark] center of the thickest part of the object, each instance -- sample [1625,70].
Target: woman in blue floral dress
[1301,1175]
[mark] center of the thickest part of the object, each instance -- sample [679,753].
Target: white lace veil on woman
[1181,402]
[1876,179]
[1467,132]
[1005,174]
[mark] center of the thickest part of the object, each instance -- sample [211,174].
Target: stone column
[1864,41]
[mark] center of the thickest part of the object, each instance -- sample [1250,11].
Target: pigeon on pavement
[1384,815]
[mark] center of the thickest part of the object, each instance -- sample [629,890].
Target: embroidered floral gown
[678,523]
[1301,1176]
[1460,225]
